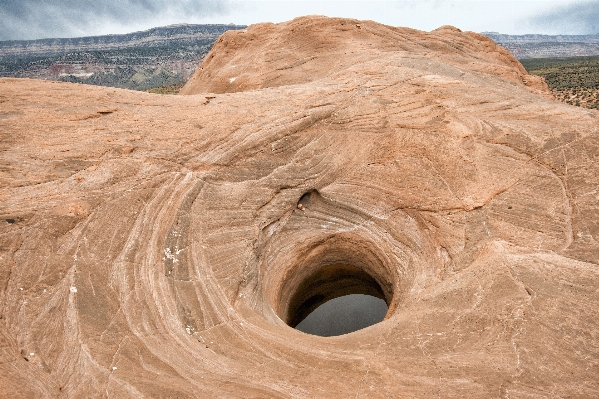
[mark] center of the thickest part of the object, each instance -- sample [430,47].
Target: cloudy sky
[33,19]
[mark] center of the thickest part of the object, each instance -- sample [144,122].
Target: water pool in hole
[343,315]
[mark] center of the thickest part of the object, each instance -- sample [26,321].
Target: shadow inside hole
[343,315]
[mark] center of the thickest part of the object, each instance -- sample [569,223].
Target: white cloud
[579,17]
[27,19]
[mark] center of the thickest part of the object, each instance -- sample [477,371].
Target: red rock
[152,246]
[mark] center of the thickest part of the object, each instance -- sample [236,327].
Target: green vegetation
[171,89]
[573,80]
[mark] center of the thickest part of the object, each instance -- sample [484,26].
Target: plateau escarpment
[160,246]
[140,61]
[545,46]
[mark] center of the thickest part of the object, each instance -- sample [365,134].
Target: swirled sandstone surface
[152,246]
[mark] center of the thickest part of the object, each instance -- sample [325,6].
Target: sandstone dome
[161,246]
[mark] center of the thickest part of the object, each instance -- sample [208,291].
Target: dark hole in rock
[11,221]
[337,299]
[344,315]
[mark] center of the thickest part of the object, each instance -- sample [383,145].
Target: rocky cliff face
[139,61]
[159,246]
[156,37]
[545,46]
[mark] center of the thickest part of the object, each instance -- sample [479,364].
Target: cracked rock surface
[151,246]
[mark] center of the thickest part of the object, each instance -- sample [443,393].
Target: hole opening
[327,283]
[300,278]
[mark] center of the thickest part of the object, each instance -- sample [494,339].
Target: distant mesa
[157,57]
[547,46]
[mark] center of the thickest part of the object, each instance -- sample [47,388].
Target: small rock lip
[448,28]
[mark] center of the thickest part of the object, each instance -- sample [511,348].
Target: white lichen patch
[170,254]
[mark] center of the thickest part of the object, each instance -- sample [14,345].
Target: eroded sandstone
[150,246]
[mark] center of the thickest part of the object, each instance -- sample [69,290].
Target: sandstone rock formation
[157,246]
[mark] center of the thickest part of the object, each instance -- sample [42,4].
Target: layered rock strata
[159,246]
